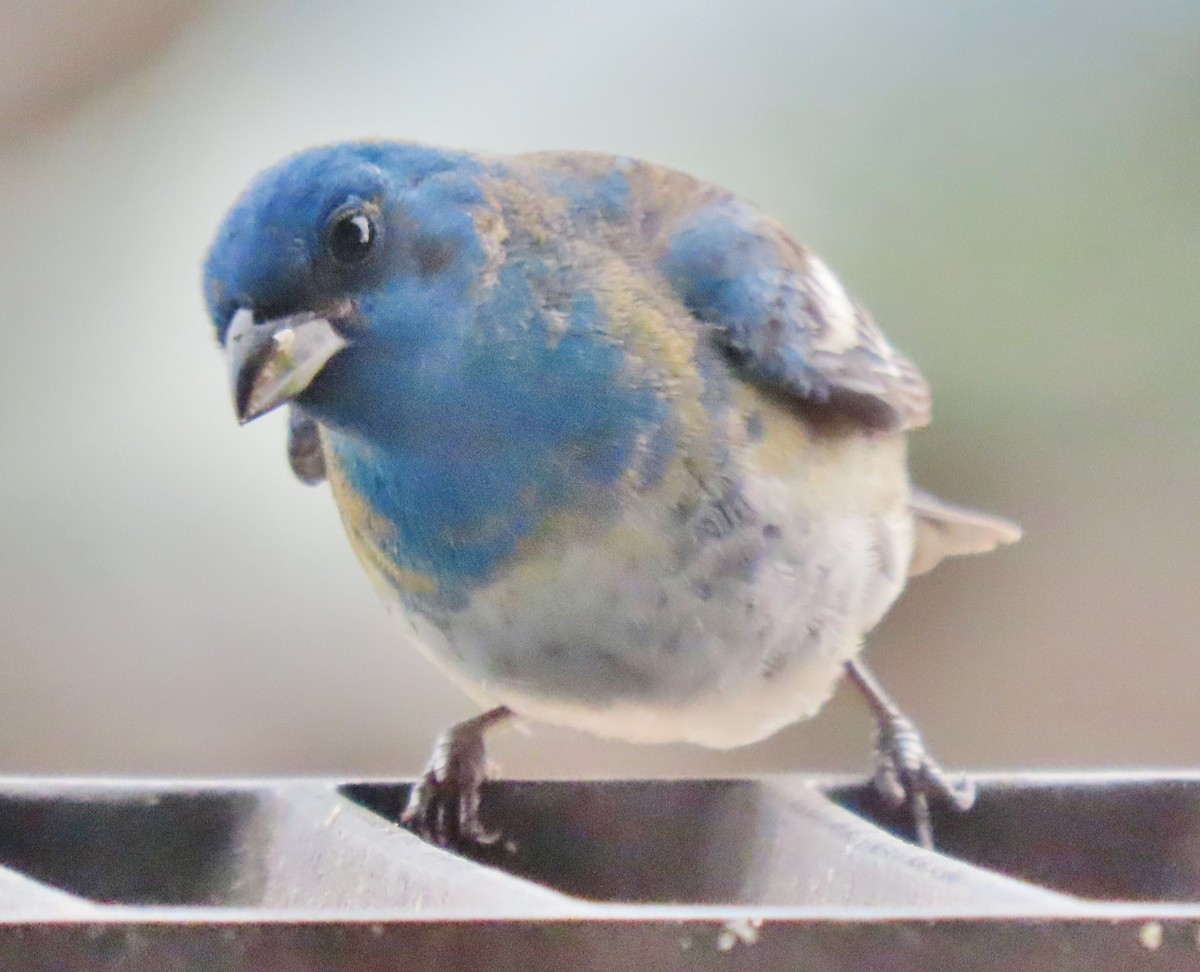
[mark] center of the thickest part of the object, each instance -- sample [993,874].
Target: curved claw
[905,773]
[443,807]
[444,810]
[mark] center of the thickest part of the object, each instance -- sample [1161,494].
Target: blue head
[336,233]
[466,377]
[332,224]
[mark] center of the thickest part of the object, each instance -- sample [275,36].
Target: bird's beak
[271,362]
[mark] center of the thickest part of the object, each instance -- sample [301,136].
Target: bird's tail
[947,530]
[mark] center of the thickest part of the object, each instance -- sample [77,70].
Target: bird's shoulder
[772,307]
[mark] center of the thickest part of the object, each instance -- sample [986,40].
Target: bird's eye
[350,237]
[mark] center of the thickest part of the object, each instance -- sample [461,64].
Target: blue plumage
[469,452]
[626,456]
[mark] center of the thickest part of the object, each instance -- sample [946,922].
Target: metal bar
[1095,871]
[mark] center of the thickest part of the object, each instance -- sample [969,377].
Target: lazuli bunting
[623,454]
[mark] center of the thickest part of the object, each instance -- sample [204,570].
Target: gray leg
[905,772]
[443,807]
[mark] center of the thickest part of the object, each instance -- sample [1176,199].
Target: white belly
[719,632]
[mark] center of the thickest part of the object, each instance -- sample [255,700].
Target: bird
[618,452]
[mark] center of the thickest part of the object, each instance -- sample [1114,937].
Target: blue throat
[466,444]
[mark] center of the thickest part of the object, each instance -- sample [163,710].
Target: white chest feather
[715,617]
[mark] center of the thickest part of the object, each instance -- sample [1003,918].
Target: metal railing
[1088,871]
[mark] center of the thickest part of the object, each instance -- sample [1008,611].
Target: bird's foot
[906,775]
[443,807]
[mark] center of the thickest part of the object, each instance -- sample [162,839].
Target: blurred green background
[1012,187]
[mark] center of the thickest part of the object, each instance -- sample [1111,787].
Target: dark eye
[350,236]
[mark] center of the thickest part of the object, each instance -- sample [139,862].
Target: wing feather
[786,321]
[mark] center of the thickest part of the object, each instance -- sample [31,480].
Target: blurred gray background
[1013,188]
